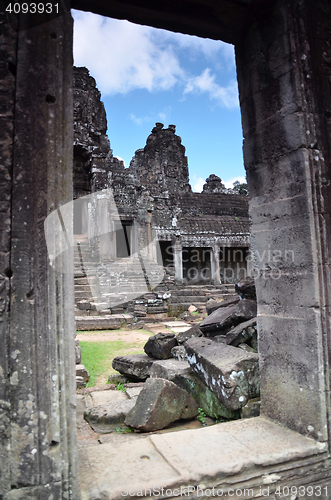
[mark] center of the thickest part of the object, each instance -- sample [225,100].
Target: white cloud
[196,46]
[229,182]
[198,184]
[122,57]
[163,115]
[206,83]
[139,120]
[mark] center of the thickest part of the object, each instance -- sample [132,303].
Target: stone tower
[162,165]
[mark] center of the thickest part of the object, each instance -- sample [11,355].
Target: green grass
[97,358]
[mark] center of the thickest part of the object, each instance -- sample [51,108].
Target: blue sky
[148,75]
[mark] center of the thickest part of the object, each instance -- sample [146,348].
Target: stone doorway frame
[283,64]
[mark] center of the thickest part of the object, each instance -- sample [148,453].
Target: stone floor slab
[110,471]
[105,397]
[213,454]
[229,448]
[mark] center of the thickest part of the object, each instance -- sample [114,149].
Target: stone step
[82,295]
[183,306]
[156,310]
[107,322]
[81,281]
[187,298]
[82,288]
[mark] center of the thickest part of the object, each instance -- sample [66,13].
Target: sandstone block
[212,305]
[241,333]
[84,305]
[101,416]
[204,397]
[224,318]
[159,404]
[168,368]
[178,352]
[195,331]
[232,374]
[136,366]
[159,346]
[117,378]
[107,322]
[82,372]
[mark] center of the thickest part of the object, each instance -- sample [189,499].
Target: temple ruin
[203,237]
[283,57]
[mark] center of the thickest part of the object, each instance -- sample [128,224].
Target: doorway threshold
[252,458]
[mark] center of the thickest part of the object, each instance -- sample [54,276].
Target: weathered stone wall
[7,104]
[91,144]
[37,384]
[284,81]
[284,70]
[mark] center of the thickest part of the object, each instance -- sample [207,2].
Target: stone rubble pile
[213,367]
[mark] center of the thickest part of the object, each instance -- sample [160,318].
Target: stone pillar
[103,225]
[38,452]
[284,74]
[215,265]
[7,103]
[178,261]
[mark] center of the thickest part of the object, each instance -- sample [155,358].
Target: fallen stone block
[98,323]
[159,346]
[219,321]
[102,417]
[212,305]
[133,392]
[246,288]
[192,309]
[204,397]
[232,374]
[224,318]
[160,403]
[117,378]
[168,368]
[195,331]
[241,333]
[178,352]
[136,366]
[82,372]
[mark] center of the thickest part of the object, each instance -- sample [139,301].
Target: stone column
[215,265]
[178,261]
[38,452]
[284,74]
[103,225]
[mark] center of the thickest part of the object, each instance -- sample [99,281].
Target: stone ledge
[106,322]
[254,453]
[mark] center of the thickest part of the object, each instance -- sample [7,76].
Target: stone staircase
[198,295]
[103,288]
